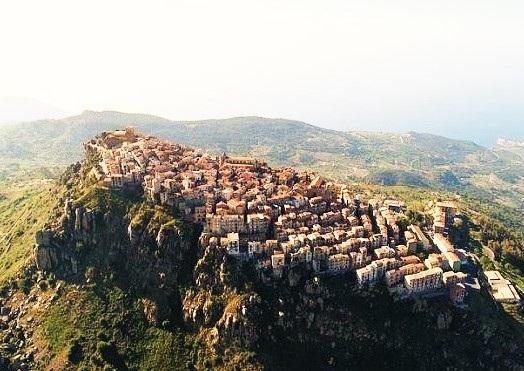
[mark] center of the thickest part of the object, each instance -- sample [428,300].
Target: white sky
[435,66]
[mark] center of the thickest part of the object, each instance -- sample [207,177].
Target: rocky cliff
[137,246]
[220,299]
[139,272]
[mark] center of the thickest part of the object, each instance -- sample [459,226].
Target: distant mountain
[19,109]
[516,148]
[384,158]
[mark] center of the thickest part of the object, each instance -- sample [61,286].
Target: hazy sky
[449,67]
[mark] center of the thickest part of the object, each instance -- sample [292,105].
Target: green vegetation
[104,199]
[104,328]
[101,327]
[154,218]
[24,209]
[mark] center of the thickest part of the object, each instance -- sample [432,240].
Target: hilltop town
[283,218]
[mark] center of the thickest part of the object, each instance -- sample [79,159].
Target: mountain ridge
[144,118]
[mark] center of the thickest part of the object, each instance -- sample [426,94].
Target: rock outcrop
[220,301]
[129,250]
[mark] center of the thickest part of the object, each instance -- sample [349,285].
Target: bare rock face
[44,252]
[137,255]
[42,258]
[444,320]
[293,278]
[218,301]
[238,324]
[78,219]
[441,321]
[43,237]
[134,233]
[232,323]
[204,240]
[150,311]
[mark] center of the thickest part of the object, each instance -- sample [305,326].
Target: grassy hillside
[24,209]
[102,328]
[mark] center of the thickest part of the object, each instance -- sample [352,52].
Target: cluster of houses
[500,289]
[282,218]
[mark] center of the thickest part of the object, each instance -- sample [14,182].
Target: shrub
[75,353]
[43,285]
